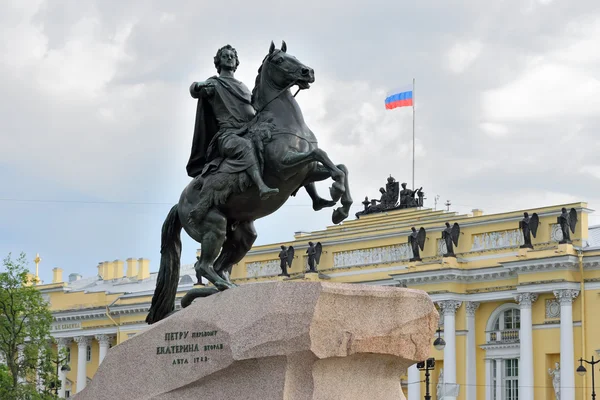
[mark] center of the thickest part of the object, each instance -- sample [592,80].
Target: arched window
[502,353]
[505,324]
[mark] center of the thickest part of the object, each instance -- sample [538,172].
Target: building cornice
[454,275]
[501,295]
[73,315]
[546,287]
[556,263]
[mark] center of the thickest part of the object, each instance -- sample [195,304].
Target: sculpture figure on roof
[567,222]
[408,199]
[417,242]
[286,256]
[314,255]
[450,235]
[529,226]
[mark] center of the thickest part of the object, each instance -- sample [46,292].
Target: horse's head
[283,70]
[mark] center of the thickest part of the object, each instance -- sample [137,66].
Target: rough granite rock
[275,340]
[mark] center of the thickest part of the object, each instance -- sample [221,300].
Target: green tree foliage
[25,343]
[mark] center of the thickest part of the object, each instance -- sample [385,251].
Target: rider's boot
[264,190]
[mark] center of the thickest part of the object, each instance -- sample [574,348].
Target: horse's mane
[257,80]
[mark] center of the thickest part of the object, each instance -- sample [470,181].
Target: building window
[68,355]
[67,394]
[88,353]
[494,379]
[511,379]
[506,327]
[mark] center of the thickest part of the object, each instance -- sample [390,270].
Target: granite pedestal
[275,341]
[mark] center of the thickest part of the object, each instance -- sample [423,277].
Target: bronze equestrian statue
[250,153]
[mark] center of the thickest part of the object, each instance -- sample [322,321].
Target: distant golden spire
[37,260]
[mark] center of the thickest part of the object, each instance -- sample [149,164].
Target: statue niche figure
[529,226]
[417,241]
[314,256]
[567,221]
[555,374]
[250,153]
[286,256]
[450,235]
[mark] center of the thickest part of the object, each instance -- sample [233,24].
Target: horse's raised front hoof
[339,215]
[336,191]
[321,203]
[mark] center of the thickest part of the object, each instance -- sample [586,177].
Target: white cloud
[494,130]
[462,55]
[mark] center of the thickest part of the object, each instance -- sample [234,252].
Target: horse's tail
[163,301]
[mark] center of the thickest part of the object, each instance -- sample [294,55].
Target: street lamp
[64,368]
[581,371]
[429,365]
[439,343]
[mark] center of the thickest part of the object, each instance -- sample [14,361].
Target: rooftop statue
[529,226]
[389,198]
[567,221]
[286,257]
[408,198]
[251,151]
[314,255]
[416,239]
[450,235]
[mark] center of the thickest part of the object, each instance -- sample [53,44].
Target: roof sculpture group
[251,151]
[567,221]
[286,257]
[393,198]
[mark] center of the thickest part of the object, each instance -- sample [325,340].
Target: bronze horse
[218,211]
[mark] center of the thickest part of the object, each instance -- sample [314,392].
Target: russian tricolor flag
[402,97]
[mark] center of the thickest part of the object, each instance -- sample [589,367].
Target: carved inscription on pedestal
[187,347]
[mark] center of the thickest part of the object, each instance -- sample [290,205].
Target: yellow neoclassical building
[515,320]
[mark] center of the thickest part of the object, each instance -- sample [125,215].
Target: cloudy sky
[96,119]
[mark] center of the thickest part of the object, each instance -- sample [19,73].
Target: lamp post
[64,368]
[429,365]
[581,371]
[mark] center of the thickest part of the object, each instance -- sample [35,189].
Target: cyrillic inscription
[179,348]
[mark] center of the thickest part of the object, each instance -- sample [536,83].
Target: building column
[489,378]
[526,383]
[449,308]
[567,353]
[414,383]
[499,379]
[471,347]
[104,342]
[82,343]
[61,345]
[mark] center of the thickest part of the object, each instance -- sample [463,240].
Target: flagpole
[413,140]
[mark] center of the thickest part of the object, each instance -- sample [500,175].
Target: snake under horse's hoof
[195,293]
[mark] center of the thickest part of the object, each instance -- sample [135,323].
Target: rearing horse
[229,204]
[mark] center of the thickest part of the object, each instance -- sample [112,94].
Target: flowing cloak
[236,97]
